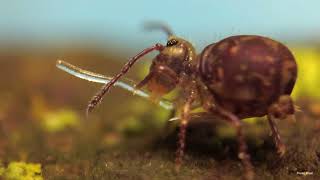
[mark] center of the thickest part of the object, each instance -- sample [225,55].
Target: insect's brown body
[246,74]
[238,77]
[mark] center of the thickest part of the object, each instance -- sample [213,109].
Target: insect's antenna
[98,97]
[150,26]
[98,78]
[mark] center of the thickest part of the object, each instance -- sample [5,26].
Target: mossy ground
[87,155]
[128,138]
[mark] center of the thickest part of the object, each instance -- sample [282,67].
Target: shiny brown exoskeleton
[238,77]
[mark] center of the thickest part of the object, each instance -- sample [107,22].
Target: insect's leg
[281,148]
[184,118]
[280,110]
[236,122]
[208,103]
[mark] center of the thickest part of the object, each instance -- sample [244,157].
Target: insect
[238,77]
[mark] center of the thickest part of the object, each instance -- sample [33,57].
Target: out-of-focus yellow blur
[308,82]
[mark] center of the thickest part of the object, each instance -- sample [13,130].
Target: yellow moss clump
[52,119]
[21,170]
[59,120]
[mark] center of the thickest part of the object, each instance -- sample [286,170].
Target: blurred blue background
[119,23]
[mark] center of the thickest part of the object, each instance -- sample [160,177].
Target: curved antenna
[150,26]
[99,78]
[95,100]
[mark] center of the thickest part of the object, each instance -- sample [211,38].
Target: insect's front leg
[280,110]
[189,95]
[184,118]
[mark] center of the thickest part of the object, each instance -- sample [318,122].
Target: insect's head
[173,59]
[179,49]
[176,48]
[167,66]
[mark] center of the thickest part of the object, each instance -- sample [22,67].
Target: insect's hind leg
[209,105]
[280,110]
[243,154]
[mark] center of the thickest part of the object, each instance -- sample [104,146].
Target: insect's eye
[172,42]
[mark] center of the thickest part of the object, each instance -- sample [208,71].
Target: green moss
[59,120]
[22,170]
[144,117]
[130,126]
